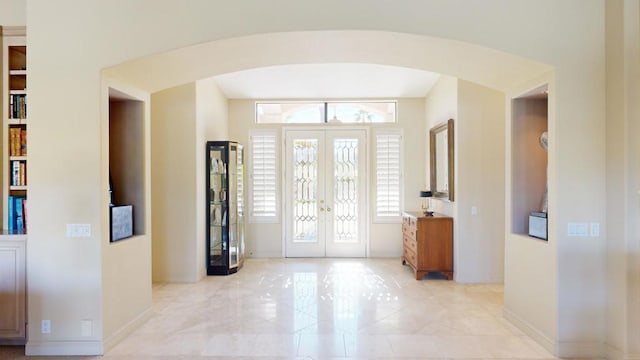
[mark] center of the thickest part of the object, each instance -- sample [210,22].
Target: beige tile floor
[324,309]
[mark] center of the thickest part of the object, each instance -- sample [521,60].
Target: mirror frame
[432,144]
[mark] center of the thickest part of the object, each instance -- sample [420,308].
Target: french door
[325,197]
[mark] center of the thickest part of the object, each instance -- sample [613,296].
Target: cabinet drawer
[411,243]
[408,231]
[410,257]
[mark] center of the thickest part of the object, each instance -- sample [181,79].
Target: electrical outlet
[45,327]
[474,210]
[86,327]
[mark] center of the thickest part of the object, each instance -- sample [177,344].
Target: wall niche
[529,162]
[126,160]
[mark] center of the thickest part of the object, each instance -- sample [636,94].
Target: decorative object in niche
[121,222]
[426,202]
[544,142]
[442,160]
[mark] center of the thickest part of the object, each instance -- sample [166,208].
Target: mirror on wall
[441,160]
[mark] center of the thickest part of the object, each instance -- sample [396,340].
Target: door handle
[321,209]
[328,209]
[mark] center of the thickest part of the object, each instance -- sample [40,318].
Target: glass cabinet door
[240,202]
[233,207]
[225,207]
[217,205]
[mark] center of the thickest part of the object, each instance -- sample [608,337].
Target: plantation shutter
[263,177]
[388,176]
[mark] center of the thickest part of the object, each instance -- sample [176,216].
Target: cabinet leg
[449,275]
[420,274]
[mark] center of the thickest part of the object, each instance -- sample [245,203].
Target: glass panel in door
[304,193]
[233,206]
[217,208]
[346,184]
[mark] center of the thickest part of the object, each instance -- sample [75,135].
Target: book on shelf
[18,173]
[17,209]
[15,172]
[18,106]
[23,142]
[17,141]
[11,211]
[19,218]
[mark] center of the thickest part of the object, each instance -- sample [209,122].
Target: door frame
[367,170]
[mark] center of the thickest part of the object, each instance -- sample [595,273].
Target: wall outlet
[78,230]
[86,327]
[474,210]
[45,327]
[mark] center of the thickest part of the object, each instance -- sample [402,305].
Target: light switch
[577,229]
[474,210]
[594,229]
[79,230]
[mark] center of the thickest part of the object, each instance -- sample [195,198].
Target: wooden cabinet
[428,243]
[12,289]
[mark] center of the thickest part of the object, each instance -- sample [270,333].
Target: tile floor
[324,309]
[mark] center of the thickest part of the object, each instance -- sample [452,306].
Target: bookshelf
[14,130]
[13,244]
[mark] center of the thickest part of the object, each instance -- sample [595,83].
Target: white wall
[173,182]
[479,151]
[480,183]
[13,12]
[623,239]
[184,118]
[265,240]
[441,104]
[66,61]
[212,123]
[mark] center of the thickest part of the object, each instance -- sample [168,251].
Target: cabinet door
[12,289]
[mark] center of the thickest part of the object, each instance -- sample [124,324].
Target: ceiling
[327,81]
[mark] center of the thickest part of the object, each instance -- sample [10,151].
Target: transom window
[347,112]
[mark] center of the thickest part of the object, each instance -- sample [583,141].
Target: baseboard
[531,331]
[264,255]
[581,349]
[64,348]
[613,353]
[127,329]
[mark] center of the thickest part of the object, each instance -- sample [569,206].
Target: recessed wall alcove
[528,157]
[126,154]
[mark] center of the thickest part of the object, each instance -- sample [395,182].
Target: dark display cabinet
[225,207]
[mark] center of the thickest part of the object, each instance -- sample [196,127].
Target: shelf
[18,92]
[18,158]
[17,121]
[18,187]
[18,72]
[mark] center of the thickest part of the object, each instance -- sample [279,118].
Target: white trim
[374,143]
[127,329]
[530,330]
[581,349]
[614,353]
[64,348]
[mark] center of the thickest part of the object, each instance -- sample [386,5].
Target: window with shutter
[388,156]
[263,178]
